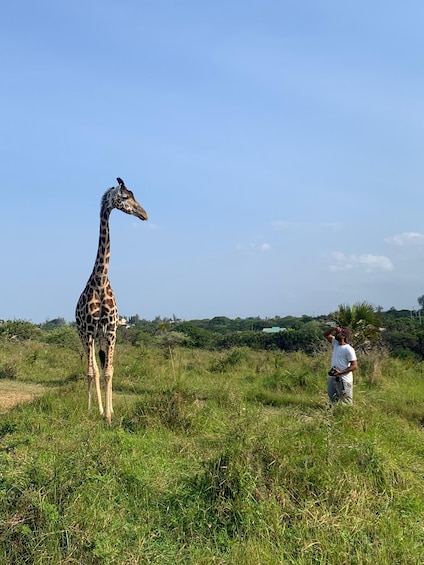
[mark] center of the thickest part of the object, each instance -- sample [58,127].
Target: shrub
[19,330]
[8,371]
[234,357]
[65,336]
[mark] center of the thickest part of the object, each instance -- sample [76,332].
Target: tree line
[400,332]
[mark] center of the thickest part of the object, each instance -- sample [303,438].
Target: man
[343,363]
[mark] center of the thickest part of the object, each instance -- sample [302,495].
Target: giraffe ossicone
[96,312]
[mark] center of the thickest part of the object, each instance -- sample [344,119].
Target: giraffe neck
[101,265]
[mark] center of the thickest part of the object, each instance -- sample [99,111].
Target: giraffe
[96,312]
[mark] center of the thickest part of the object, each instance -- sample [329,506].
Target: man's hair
[345,333]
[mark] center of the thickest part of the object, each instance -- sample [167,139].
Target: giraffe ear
[120,182]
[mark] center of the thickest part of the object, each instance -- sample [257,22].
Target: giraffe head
[123,199]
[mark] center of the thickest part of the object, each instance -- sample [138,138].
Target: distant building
[274,330]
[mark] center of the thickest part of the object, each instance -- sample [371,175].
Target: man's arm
[328,334]
[353,365]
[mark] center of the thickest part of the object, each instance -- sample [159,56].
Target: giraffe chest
[97,312]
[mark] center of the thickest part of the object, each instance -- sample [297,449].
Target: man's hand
[328,334]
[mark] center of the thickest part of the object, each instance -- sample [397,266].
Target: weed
[8,371]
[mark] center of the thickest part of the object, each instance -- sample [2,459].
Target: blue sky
[276,146]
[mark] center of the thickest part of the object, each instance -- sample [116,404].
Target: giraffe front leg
[108,373]
[94,374]
[108,401]
[98,389]
[90,377]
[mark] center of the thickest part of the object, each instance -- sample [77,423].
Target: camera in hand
[332,372]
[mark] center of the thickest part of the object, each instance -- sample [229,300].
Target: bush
[198,337]
[8,371]
[65,336]
[234,357]
[19,330]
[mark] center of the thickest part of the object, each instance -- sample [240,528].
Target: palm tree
[362,320]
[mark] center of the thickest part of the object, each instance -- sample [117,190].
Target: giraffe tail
[102,357]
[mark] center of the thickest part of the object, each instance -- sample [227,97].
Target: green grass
[212,457]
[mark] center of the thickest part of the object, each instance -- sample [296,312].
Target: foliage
[134,335]
[363,321]
[198,337]
[401,344]
[234,357]
[8,371]
[19,330]
[38,362]
[64,336]
[53,324]
[298,334]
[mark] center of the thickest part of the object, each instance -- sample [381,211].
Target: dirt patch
[15,392]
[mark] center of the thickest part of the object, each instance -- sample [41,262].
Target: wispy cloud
[406,238]
[284,225]
[137,225]
[366,261]
[253,247]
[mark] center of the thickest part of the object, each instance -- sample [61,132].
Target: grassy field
[212,458]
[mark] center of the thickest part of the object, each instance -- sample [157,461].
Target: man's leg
[332,390]
[347,392]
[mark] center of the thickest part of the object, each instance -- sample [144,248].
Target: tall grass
[213,457]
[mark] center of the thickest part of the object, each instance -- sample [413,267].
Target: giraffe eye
[125,194]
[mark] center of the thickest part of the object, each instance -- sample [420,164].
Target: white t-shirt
[343,355]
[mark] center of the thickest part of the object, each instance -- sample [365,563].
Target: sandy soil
[13,392]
